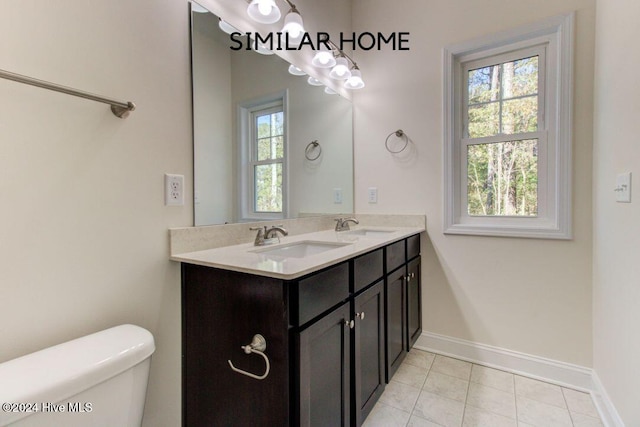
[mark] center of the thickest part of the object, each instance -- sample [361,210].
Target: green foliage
[502,177]
[268,176]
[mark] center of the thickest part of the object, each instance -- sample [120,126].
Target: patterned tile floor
[430,390]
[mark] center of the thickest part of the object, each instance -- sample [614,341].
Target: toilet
[98,380]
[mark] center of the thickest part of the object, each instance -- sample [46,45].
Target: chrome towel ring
[312,145]
[258,345]
[400,134]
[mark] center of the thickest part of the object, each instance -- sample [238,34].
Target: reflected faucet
[342,224]
[267,236]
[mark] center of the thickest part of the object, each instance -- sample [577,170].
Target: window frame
[248,155]
[554,134]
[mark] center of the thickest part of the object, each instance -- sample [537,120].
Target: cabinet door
[396,323]
[323,371]
[414,302]
[369,366]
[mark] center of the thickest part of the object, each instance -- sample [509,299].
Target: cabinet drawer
[413,246]
[318,293]
[395,255]
[367,269]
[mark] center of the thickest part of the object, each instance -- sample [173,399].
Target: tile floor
[430,390]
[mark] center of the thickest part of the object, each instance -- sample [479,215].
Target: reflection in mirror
[254,127]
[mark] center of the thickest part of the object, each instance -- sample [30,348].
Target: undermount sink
[370,232]
[300,249]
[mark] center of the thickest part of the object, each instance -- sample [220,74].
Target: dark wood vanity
[334,338]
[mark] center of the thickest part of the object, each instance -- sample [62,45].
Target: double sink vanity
[304,332]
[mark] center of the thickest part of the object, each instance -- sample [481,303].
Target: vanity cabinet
[328,337]
[402,300]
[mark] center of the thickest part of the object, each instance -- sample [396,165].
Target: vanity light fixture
[324,58]
[262,49]
[296,71]
[314,82]
[264,11]
[293,26]
[226,27]
[355,81]
[341,70]
[329,91]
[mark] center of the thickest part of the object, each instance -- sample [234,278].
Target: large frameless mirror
[267,144]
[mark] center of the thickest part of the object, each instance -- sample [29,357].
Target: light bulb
[264,8]
[314,82]
[341,70]
[324,59]
[355,81]
[264,11]
[296,71]
[294,27]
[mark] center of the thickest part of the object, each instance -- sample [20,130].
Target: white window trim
[245,174]
[554,222]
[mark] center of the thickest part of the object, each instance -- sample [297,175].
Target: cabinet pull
[360,315]
[258,346]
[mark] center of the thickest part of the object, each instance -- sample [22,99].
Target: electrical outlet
[337,196]
[373,194]
[173,190]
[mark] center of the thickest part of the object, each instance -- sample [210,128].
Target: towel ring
[400,134]
[310,147]
[258,345]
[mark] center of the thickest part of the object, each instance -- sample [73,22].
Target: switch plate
[173,190]
[623,188]
[373,194]
[337,196]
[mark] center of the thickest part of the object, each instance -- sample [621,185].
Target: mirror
[267,145]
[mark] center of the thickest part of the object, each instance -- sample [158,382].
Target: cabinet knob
[349,323]
[360,315]
[408,278]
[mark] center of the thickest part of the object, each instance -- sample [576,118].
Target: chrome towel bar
[119,108]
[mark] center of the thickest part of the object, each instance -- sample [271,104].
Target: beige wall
[616,257]
[83,236]
[532,296]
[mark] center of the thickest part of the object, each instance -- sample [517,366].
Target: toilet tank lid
[62,371]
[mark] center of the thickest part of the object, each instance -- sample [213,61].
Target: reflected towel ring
[400,134]
[310,147]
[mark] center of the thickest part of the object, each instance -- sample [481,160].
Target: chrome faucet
[342,224]
[267,236]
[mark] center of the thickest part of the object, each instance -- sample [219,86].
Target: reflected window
[264,159]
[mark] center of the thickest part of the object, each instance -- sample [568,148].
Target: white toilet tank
[99,380]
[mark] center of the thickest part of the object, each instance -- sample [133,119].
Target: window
[507,154]
[263,159]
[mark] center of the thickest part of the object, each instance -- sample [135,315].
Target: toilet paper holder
[258,345]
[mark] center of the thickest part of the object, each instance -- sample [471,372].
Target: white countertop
[242,258]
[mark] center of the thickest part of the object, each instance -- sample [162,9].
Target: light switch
[373,195]
[623,188]
[337,196]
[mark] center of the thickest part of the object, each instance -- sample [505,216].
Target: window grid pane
[268,188]
[503,98]
[502,178]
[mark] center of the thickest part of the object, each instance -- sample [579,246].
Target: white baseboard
[608,412]
[548,370]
